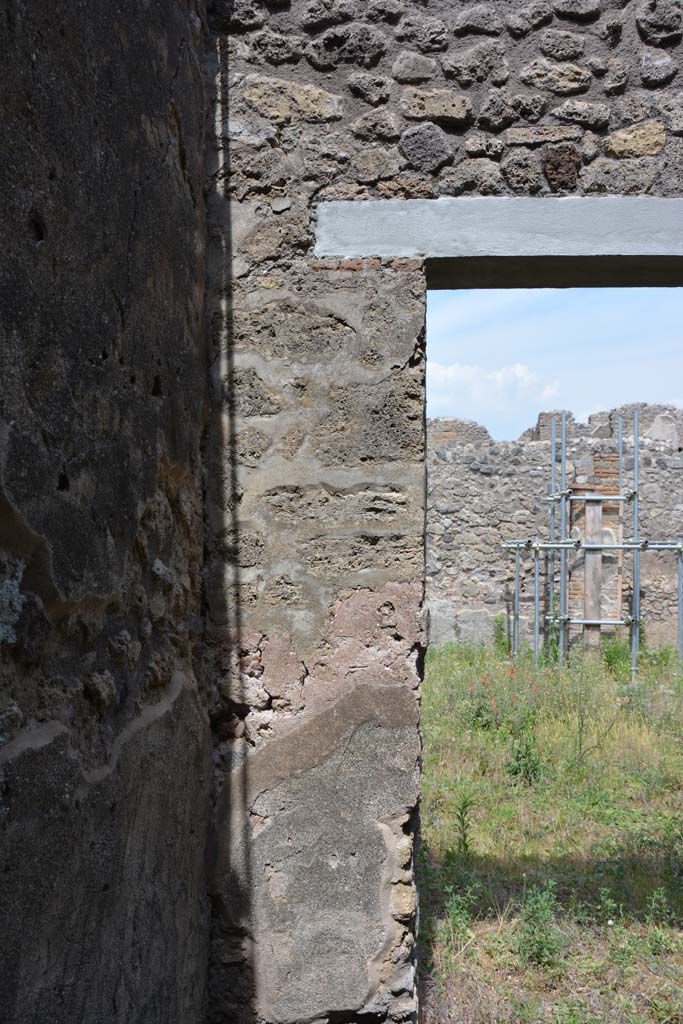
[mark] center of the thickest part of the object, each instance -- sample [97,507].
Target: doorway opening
[551,839]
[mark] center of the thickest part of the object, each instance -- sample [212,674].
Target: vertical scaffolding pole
[620,435]
[592,575]
[620,521]
[553,538]
[680,604]
[563,537]
[515,609]
[537,602]
[635,603]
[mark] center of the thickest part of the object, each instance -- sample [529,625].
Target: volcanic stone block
[320,14]
[522,172]
[278,49]
[531,106]
[533,16]
[657,69]
[563,80]
[441,105]
[480,176]
[478,20]
[645,139]
[578,10]
[373,89]
[480,144]
[371,165]
[356,43]
[286,101]
[479,63]
[613,177]
[235,15]
[671,108]
[660,22]
[413,67]
[616,78]
[592,115]
[496,112]
[427,34]
[561,166]
[562,45]
[384,10]
[539,135]
[326,835]
[377,124]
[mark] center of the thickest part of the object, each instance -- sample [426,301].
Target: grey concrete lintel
[501,226]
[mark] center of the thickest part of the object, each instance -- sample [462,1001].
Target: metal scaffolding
[561,621]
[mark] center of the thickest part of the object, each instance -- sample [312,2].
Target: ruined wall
[482,492]
[316,466]
[103,743]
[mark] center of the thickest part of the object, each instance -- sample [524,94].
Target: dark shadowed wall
[103,756]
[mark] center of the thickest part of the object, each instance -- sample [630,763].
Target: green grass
[551,862]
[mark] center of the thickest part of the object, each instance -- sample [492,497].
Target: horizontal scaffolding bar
[580,545]
[600,497]
[571,496]
[596,622]
[590,622]
[636,545]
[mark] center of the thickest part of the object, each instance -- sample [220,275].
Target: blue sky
[502,356]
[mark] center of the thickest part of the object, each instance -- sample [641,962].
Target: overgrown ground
[551,867]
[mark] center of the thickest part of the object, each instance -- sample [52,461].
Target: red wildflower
[534,687]
[514,696]
[512,671]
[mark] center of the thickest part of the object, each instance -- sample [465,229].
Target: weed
[611,910]
[666,1009]
[616,654]
[572,1011]
[524,763]
[551,647]
[524,1011]
[463,825]
[540,941]
[455,930]
[501,642]
[658,909]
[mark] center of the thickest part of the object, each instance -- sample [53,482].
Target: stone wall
[433,98]
[316,474]
[482,492]
[104,752]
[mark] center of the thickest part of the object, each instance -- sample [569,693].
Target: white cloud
[474,390]
[605,347]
